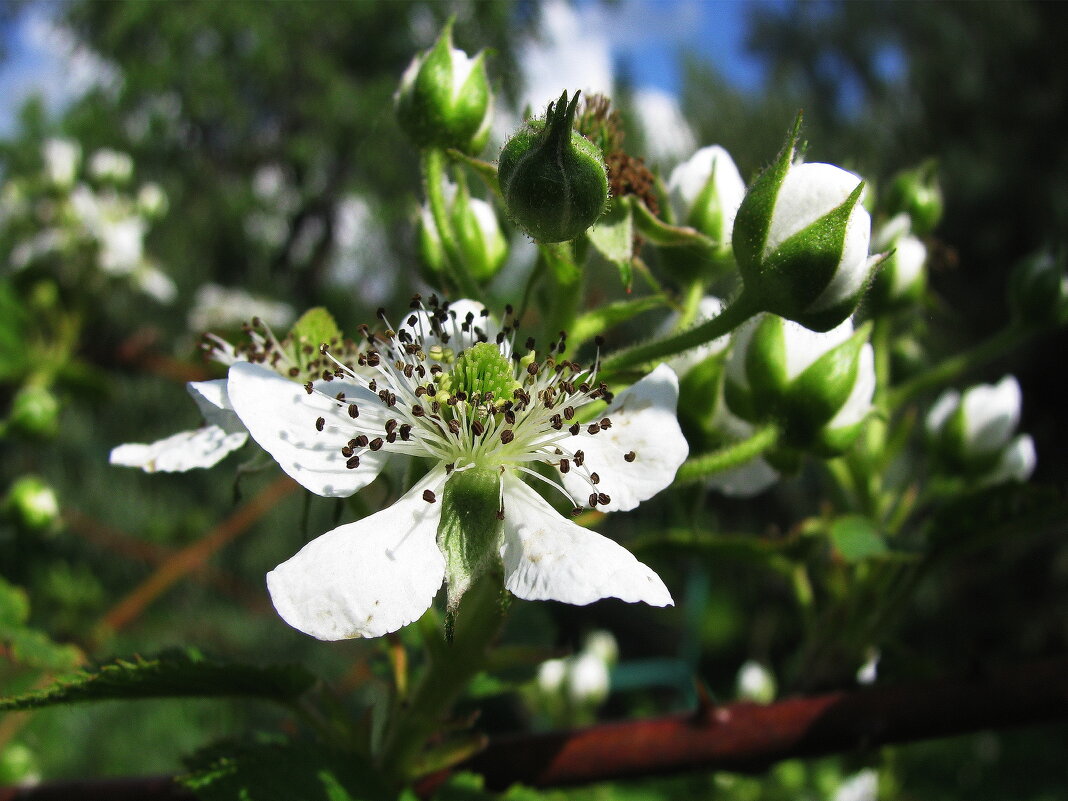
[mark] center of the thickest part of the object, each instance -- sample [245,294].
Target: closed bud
[552,178]
[32,503]
[478,234]
[816,386]
[972,434]
[34,412]
[1037,288]
[917,193]
[901,277]
[706,192]
[444,99]
[801,241]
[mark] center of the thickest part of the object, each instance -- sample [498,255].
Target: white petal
[547,557]
[808,192]
[689,179]
[803,346]
[281,415]
[214,404]
[1017,462]
[186,450]
[643,421]
[946,405]
[909,258]
[858,404]
[367,578]
[991,414]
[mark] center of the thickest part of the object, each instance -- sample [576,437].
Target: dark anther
[319,424]
[353,463]
[507,436]
[575,429]
[593,428]
[375,444]
[593,499]
[361,441]
[580,457]
[565,465]
[603,499]
[606,423]
[309,387]
[629,456]
[354,412]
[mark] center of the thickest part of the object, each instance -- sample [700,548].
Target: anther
[580,457]
[593,428]
[606,423]
[565,466]
[593,499]
[575,429]
[507,436]
[309,387]
[603,499]
[353,463]
[406,431]
[375,444]
[629,456]
[594,478]
[361,441]
[319,424]
[354,412]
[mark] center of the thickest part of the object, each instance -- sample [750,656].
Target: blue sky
[646,40]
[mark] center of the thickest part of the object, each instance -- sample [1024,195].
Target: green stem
[733,455]
[942,373]
[433,163]
[566,288]
[880,343]
[478,622]
[743,307]
[690,304]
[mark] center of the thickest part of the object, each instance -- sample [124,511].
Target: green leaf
[282,771]
[173,674]
[613,237]
[314,327]
[855,538]
[598,320]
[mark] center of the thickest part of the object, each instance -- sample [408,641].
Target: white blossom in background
[869,671]
[755,683]
[706,191]
[972,433]
[861,786]
[360,249]
[61,159]
[568,689]
[220,307]
[667,135]
[708,307]
[447,390]
[110,165]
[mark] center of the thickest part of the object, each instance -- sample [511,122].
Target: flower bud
[152,201]
[552,178]
[32,503]
[706,192]
[478,235]
[801,241]
[34,412]
[972,433]
[817,386]
[755,683]
[917,193]
[444,99]
[1037,288]
[901,278]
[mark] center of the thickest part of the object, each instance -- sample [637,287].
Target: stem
[478,622]
[690,304]
[743,307]
[945,371]
[725,458]
[433,163]
[566,288]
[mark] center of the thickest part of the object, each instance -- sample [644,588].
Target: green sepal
[820,391]
[613,238]
[797,272]
[700,386]
[765,367]
[315,327]
[664,235]
[469,534]
[753,220]
[855,539]
[916,192]
[707,213]
[836,441]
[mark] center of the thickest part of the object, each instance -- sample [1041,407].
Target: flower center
[480,376]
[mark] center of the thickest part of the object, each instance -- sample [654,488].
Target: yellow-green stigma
[481,376]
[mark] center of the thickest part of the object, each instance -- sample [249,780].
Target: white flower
[587,679]
[666,133]
[755,683]
[61,158]
[861,786]
[121,244]
[110,165]
[152,200]
[706,192]
[973,432]
[447,390]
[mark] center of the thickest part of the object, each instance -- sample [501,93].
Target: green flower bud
[917,193]
[901,278]
[553,179]
[34,412]
[478,235]
[32,503]
[1037,288]
[801,241]
[817,386]
[444,99]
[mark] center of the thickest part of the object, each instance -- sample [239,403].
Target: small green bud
[553,179]
[444,99]
[801,241]
[917,193]
[34,412]
[901,278]
[1037,288]
[478,235]
[32,503]
[816,386]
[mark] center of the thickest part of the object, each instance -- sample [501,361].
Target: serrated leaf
[174,674]
[314,327]
[282,771]
[855,538]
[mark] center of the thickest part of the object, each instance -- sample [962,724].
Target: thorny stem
[433,163]
[728,457]
[743,307]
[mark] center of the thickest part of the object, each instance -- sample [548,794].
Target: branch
[742,737]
